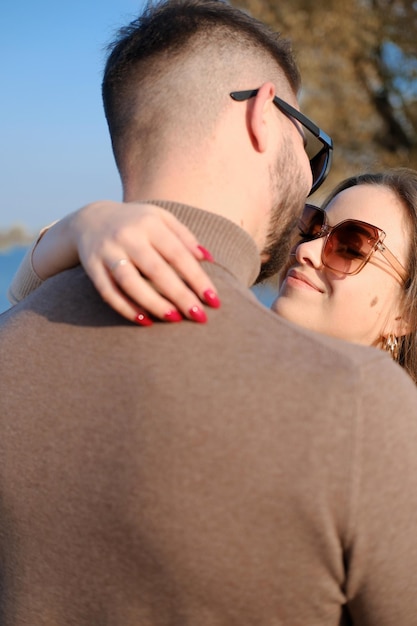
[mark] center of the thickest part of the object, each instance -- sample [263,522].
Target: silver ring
[113,267]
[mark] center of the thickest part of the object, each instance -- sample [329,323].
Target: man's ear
[258,116]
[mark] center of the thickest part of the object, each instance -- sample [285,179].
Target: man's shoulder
[306,353]
[278,331]
[67,298]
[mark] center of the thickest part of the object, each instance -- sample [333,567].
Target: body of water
[9,262]
[10,259]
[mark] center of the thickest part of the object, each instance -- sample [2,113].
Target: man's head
[166,85]
[180,51]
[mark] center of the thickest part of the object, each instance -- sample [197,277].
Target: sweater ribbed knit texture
[245,472]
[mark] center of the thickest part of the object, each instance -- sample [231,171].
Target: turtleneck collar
[231,246]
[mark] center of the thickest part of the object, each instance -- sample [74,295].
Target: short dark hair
[164,32]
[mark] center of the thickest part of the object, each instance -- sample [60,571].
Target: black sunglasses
[348,245]
[319,146]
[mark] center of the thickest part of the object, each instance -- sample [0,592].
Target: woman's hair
[403,182]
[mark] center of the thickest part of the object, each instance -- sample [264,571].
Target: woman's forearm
[25,279]
[55,249]
[52,252]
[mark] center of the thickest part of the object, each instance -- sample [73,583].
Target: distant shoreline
[15,236]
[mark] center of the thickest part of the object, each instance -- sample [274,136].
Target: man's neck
[231,246]
[214,195]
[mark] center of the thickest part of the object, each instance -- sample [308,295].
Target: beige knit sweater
[243,472]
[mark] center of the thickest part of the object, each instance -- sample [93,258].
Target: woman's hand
[121,243]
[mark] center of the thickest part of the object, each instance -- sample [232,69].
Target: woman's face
[361,308]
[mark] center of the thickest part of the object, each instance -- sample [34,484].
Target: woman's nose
[309,252]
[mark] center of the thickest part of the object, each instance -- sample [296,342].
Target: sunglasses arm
[393,261]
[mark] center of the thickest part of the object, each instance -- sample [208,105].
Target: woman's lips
[296,278]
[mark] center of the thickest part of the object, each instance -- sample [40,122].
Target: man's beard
[287,184]
[277,250]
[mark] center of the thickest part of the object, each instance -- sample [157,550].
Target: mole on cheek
[374,301]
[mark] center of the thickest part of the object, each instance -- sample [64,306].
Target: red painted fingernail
[211,298]
[143,320]
[173,316]
[206,254]
[198,314]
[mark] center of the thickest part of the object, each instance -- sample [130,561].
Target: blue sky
[55,153]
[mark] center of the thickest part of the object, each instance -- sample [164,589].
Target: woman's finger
[174,296]
[116,299]
[159,253]
[187,237]
[177,247]
[168,258]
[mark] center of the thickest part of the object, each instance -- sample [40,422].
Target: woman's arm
[25,279]
[117,243]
